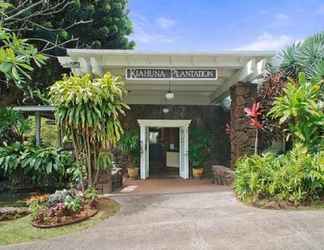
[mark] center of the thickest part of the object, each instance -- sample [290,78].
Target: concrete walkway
[203,220]
[169,186]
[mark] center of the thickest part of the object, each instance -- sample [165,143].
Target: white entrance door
[184,144]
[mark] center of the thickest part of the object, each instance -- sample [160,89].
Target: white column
[97,68]
[181,151]
[85,66]
[147,152]
[186,153]
[143,152]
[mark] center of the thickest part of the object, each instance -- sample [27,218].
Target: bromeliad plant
[254,114]
[89,109]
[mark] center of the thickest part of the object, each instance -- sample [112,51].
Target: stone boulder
[223,175]
[11,213]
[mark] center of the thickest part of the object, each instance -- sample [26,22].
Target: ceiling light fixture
[169,95]
[165,110]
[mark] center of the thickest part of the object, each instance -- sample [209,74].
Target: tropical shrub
[199,147]
[300,108]
[73,204]
[90,194]
[89,109]
[306,56]
[35,208]
[43,165]
[297,177]
[129,144]
[12,126]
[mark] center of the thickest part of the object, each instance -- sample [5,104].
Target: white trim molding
[164,123]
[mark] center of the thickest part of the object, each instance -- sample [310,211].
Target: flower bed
[63,208]
[67,220]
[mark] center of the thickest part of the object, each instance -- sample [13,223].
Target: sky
[214,25]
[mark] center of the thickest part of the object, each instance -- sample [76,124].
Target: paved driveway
[208,220]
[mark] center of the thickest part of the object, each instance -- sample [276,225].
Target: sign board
[170,74]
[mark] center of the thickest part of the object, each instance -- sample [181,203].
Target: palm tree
[306,56]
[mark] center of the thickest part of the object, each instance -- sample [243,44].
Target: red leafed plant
[254,114]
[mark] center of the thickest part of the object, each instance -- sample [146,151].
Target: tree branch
[60,29]
[52,45]
[8,18]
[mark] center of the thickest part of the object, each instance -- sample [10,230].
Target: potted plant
[129,144]
[198,150]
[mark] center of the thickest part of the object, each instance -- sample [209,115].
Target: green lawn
[21,230]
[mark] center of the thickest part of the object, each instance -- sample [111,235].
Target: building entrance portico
[207,91]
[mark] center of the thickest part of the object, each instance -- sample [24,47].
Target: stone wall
[242,134]
[212,118]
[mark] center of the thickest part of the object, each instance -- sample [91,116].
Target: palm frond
[317,38]
[289,58]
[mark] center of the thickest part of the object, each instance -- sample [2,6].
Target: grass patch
[21,230]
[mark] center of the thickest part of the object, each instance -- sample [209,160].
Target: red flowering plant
[254,113]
